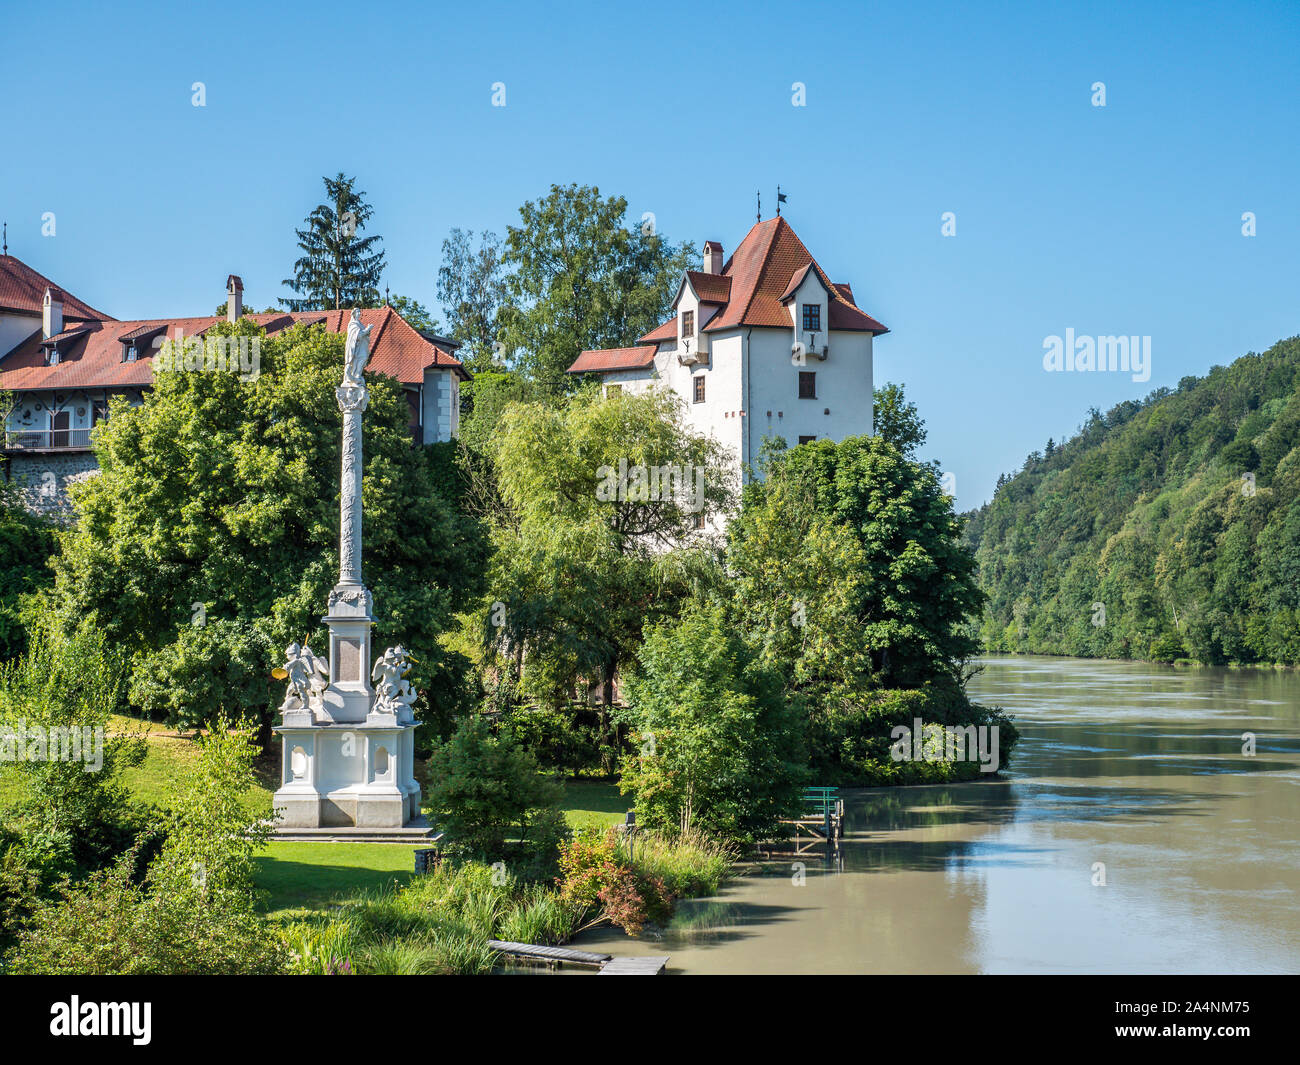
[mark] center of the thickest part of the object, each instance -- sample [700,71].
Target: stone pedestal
[348,775]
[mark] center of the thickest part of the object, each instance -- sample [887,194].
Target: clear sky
[1123,219]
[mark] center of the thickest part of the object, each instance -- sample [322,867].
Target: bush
[484,790]
[193,912]
[850,740]
[1167,648]
[567,739]
[108,925]
[719,739]
[72,820]
[597,877]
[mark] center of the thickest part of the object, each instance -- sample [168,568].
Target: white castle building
[762,345]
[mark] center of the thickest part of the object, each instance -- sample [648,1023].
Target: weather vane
[780,199]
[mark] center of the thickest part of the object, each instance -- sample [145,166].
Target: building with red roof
[763,345]
[61,361]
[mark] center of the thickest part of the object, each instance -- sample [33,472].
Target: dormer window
[812,317]
[52,359]
[688,323]
[131,354]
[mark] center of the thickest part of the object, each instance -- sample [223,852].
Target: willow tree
[598,534]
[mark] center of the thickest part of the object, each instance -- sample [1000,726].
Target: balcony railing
[46,439]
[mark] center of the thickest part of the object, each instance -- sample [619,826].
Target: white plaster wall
[844,387]
[14,329]
[633,381]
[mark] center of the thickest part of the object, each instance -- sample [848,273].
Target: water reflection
[1133,774]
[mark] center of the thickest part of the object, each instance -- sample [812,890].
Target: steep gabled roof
[762,270]
[711,288]
[22,290]
[91,357]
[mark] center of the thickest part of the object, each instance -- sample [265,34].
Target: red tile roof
[765,270]
[711,288]
[667,331]
[762,269]
[795,282]
[93,358]
[22,289]
[615,359]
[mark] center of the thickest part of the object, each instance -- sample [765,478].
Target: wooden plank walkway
[606,963]
[653,966]
[532,952]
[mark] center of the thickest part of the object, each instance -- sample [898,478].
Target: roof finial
[760,205]
[6,240]
[386,302]
[780,199]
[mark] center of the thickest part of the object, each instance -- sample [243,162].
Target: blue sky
[1123,219]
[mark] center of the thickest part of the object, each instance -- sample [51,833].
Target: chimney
[712,257]
[234,298]
[51,313]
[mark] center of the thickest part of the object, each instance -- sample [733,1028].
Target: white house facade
[764,345]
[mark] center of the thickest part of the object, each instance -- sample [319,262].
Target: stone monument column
[349,695]
[349,747]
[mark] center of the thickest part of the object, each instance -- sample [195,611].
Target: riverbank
[1132,835]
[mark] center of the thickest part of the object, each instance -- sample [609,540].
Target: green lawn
[589,802]
[310,875]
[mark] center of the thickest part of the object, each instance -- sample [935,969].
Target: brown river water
[1138,767]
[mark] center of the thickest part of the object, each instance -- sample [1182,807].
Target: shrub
[597,878]
[720,745]
[850,739]
[484,790]
[72,821]
[108,925]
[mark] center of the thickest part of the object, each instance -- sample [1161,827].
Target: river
[1137,767]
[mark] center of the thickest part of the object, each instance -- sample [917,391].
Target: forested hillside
[1166,528]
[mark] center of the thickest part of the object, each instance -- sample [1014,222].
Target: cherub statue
[392,690]
[357,352]
[307,675]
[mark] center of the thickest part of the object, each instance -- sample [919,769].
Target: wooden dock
[554,957]
[821,822]
[651,966]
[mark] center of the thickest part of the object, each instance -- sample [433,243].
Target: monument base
[347,777]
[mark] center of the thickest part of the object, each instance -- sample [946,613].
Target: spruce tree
[339,267]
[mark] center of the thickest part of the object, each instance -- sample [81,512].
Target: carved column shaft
[350,492]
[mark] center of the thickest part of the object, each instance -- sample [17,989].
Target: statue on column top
[357,352]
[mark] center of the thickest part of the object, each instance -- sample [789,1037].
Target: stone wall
[43,480]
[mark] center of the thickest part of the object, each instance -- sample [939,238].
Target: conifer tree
[338,267]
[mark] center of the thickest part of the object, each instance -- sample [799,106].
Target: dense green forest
[1167,528]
